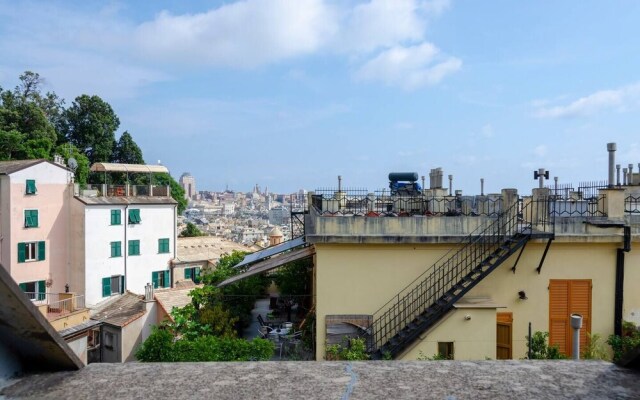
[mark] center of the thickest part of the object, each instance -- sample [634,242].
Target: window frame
[446,350]
[161,279]
[31,251]
[133,245]
[29,215]
[163,246]
[30,190]
[116,249]
[118,214]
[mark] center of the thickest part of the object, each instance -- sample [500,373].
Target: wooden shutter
[187,273]
[31,186]
[22,250]
[41,248]
[568,297]
[504,336]
[166,279]
[23,287]
[42,290]
[34,217]
[106,287]
[154,279]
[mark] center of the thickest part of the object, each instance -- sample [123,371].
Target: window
[160,279]
[445,350]
[134,216]
[163,245]
[112,285]
[35,290]
[116,249]
[30,218]
[108,340]
[31,251]
[193,274]
[134,247]
[116,217]
[30,187]
[93,339]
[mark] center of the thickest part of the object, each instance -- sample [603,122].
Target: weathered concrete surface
[338,380]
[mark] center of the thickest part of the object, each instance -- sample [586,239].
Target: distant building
[279,216]
[188,183]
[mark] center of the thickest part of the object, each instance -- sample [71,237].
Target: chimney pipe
[481,186]
[618,174]
[611,148]
[423,182]
[630,178]
[339,183]
[450,184]
[624,176]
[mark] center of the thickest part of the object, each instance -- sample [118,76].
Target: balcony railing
[56,305]
[103,190]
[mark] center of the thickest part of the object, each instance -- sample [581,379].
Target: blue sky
[290,94]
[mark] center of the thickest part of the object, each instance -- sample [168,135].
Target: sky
[289,94]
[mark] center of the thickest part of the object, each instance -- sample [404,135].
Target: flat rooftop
[337,380]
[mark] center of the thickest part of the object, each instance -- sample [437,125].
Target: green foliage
[352,350]
[67,151]
[435,357]
[177,192]
[594,350]
[90,125]
[387,356]
[190,322]
[161,347]
[126,151]
[540,350]
[294,279]
[191,231]
[629,340]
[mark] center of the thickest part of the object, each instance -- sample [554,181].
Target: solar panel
[270,251]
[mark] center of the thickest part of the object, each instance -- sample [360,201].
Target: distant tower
[188,183]
[275,236]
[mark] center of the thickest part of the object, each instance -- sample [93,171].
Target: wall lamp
[522,295]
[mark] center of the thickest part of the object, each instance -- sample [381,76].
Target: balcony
[62,310]
[104,190]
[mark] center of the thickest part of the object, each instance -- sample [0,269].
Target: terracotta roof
[121,311]
[167,299]
[9,167]
[192,249]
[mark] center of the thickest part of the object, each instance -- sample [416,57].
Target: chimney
[630,178]
[611,148]
[450,184]
[618,174]
[481,186]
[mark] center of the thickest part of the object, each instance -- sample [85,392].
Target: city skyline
[291,95]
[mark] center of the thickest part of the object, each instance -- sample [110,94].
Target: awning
[270,251]
[272,263]
[140,168]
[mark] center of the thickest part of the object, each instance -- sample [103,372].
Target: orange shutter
[568,297]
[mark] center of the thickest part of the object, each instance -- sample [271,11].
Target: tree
[90,125]
[191,231]
[126,151]
[177,192]
[67,151]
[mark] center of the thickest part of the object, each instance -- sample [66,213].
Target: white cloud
[241,34]
[618,99]
[409,67]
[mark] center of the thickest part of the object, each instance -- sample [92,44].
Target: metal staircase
[432,295]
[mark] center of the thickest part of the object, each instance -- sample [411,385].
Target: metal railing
[360,202]
[589,207]
[58,304]
[103,190]
[632,204]
[451,268]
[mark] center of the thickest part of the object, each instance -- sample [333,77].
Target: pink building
[35,200]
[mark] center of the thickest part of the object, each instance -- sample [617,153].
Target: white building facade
[122,243]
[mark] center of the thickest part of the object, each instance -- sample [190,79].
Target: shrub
[354,350]
[435,357]
[621,344]
[540,350]
[157,347]
[594,350]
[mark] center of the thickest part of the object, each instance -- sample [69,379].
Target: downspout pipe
[126,246]
[619,288]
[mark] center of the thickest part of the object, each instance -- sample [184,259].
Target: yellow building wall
[361,278]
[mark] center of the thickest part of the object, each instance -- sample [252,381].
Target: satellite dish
[73,164]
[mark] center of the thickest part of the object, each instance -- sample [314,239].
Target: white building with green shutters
[122,240]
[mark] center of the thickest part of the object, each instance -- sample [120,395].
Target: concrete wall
[69,320]
[361,278]
[51,201]
[77,273]
[9,362]
[79,346]
[114,354]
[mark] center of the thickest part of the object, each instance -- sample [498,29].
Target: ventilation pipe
[339,183]
[630,178]
[450,184]
[611,148]
[481,186]
[576,324]
[624,176]
[618,174]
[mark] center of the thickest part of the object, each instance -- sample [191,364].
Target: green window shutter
[138,220]
[31,218]
[22,249]
[134,247]
[116,249]
[196,273]
[134,216]
[106,287]
[31,186]
[166,279]
[163,245]
[122,284]
[116,217]
[154,279]
[42,290]
[23,287]
[160,245]
[41,247]
[34,216]
[187,273]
